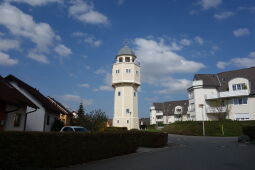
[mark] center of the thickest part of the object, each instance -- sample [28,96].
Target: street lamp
[203,122]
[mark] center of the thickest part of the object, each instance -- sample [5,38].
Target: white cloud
[86,13]
[120,2]
[105,88]
[250,8]
[76,99]
[199,40]
[224,15]
[7,44]
[21,24]
[175,47]
[159,63]
[172,85]
[185,42]
[239,62]
[38,57]
[35,2]
[207,4]
[89,39]
[107,81]
[5,60]
[85,85]
[158,60]
[222,64]
[241,32]
[62,50]
[100,71]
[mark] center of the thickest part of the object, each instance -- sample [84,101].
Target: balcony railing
[159,113]
[159,120]
[219,109]
[228,94]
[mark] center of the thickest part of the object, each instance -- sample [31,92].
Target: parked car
[74,129]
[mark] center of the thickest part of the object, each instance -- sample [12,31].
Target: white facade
[15,120]
[125,81]
[157,116]
[39,119]
[208,103]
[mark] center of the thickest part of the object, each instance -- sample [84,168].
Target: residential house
[65,116]
[13,108]
[223,95]
[169,112]
[43,118]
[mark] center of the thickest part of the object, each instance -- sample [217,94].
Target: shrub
[212,128]
[19,150]
[114,129]
[57,125]
[151,139]
[249,131]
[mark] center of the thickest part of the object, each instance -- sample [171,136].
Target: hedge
[110,129]
[212,128]
[249,131]
[53,149]
[151,139]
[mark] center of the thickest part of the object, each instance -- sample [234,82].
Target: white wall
[35,120]
[9,123]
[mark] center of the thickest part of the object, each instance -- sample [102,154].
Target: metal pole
[203,122]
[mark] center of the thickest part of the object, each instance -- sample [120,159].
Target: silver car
[74,129]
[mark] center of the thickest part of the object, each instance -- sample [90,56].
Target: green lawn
[212,128]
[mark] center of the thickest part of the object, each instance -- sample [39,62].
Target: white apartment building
[125,81]
[229,95]
[169,112]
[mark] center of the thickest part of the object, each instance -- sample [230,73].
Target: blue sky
[66,48]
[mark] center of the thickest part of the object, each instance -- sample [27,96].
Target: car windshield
[80,130]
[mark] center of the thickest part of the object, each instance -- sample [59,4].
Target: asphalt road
[190,153]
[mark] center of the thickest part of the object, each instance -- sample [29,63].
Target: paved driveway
[190,153]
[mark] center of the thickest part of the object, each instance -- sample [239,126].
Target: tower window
[128,70]
[136,72]
[119,93]
[127,59]
[120,59]
[127,121]
[117,71]
[127,110]
[118,121]
[134,93]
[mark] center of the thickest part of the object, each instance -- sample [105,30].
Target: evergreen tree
[81,111]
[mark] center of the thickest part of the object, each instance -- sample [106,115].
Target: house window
[239,101]
[120,59]
[119,93]
[127,59]
[242,116]
[48,120]
[127,110]
[241,86]
[17,119]
[157,111]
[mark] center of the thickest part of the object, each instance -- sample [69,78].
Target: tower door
[2,116]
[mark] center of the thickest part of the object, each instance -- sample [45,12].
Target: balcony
[159,120]
[227,94]
[159,113]
[219,109]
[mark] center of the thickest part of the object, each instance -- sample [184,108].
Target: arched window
[120,59]
[127,59]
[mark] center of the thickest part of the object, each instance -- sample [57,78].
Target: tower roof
[126,51]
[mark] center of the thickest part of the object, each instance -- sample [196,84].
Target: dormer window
[127,59]
[241,86]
